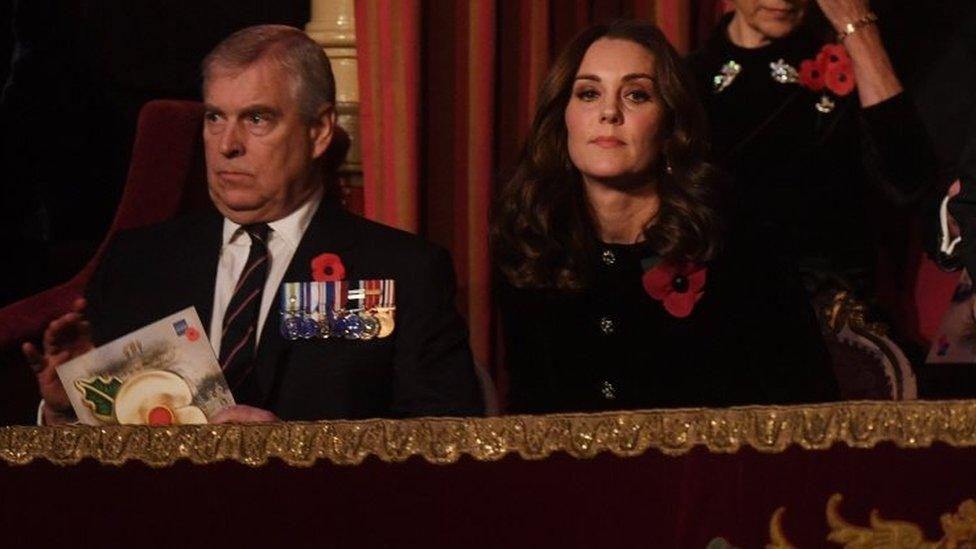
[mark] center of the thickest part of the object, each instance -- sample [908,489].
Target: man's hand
[65,338]
[243,414]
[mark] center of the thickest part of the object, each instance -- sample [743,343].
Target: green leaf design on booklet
[98,394]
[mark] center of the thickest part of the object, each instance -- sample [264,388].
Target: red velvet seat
[932,290]
[912,288]
[165,175]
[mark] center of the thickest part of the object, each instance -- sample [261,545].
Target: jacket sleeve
[898,154]
[434,372]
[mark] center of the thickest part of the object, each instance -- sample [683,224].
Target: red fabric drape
[447,90]
[389,74]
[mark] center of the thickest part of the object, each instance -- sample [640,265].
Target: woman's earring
[667,167]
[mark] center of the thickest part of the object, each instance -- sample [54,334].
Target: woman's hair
[543,233]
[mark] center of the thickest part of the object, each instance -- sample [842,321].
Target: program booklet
[955,343]
[162,374]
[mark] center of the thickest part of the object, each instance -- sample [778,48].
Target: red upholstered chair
[932,291]
[165,176]
[915,293]
[915,290]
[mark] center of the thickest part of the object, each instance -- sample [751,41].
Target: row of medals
[358,324]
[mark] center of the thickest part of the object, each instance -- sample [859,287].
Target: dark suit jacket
[424,368]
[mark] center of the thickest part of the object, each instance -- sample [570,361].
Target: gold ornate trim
[958,529]
[772,429]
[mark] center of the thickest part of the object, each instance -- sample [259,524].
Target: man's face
[771,18]
[260,151]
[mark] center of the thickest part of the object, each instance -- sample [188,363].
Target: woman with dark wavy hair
[617,286]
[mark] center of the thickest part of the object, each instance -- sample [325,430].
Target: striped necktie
[237,344]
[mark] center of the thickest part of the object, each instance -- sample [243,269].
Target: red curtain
[447,90]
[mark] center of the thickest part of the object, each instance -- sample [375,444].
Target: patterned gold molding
[445,440]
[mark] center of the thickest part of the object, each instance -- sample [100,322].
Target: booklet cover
[955,342]
[162,374]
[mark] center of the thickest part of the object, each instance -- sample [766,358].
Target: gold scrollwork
[777,538]
[846,309]
[911,424]
[959,530]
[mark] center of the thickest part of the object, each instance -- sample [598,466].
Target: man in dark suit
[270,118]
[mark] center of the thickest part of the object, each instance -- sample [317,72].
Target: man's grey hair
[292,49]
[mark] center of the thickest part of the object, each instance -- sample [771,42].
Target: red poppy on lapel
[832,56]
[811,75]
[840,79]
[678,287]
[327,268]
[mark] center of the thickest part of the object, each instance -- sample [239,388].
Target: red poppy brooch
[327,268]
[677,287]
[830,69]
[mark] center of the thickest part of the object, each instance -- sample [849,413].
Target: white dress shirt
[283,239]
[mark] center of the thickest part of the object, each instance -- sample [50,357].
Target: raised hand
[842,12]
[65,338]
[873,72]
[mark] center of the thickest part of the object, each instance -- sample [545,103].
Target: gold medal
[384,315]
[371,326]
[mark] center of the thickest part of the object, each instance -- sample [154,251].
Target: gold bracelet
[851,28]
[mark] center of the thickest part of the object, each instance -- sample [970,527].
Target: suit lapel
[201,269]
[329,231]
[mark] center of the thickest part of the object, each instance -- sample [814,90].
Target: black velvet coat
[810,177]
[751,338]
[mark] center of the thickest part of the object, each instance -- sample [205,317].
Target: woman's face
[614,117]
[772,19]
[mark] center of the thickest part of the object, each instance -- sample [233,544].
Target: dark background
[77,72]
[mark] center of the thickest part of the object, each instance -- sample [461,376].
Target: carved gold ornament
[959,530]
[770,429]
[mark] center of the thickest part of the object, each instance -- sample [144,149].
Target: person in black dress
[816,134]
[618,283]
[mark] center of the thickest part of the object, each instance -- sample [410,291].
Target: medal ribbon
[289,297]
[305,302]
[388,293]
[373,293]
[338,293]
[323,298]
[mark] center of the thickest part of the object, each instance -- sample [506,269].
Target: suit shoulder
[391,241]
[176,230]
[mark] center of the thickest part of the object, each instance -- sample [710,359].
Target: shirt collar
[289,228]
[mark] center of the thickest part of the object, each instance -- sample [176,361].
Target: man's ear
[322,130]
